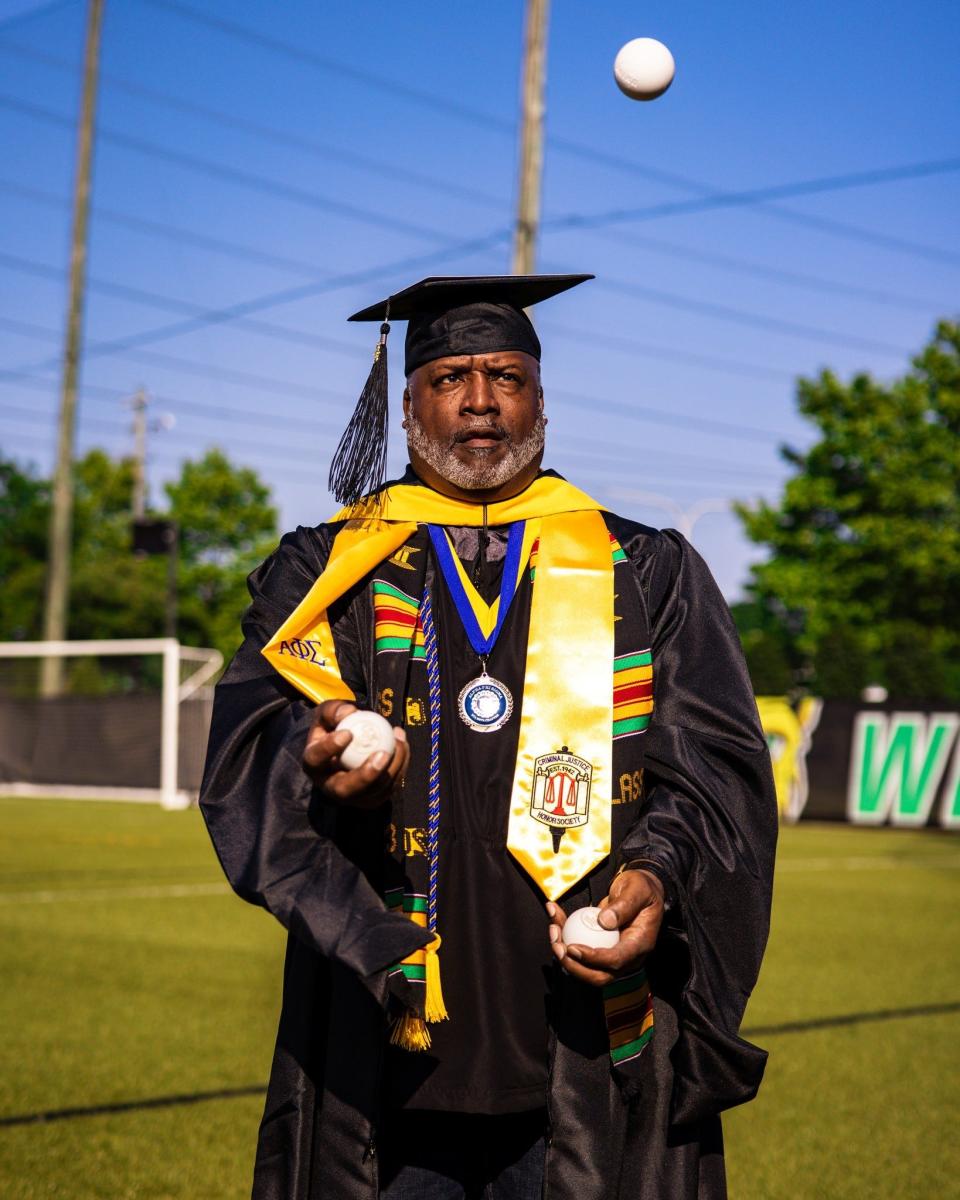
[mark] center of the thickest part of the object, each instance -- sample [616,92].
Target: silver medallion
[485,704]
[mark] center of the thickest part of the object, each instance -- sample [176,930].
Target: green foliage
[864,565]
[24,516]
[227,526]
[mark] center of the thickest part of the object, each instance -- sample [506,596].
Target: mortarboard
[445,315]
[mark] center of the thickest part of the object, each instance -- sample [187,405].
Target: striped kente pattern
[396,621]
[628,1007]
[414,907]
[632,693]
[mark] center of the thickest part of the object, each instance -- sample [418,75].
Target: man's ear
[406,403]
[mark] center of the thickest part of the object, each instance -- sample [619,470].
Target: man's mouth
[481,437]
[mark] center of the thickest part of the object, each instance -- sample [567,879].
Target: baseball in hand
[643,69]
[582,928]
[371,733]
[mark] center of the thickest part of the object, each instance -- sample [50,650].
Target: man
[573,726]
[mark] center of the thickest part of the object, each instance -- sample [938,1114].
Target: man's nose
[480,395]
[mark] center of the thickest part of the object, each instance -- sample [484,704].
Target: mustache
[487,429]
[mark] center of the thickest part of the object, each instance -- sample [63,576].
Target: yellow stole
[563,775]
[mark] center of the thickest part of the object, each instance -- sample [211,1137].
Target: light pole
[686,518]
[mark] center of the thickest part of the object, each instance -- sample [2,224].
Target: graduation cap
[445,315]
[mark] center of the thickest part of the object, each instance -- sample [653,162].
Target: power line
[273,134]
[288,296]
[171,233]
[752,196]
[242,33]
[598,451]
[45,271]
[38,10]
[639,412]
[564,145]
[628,411]
[680,355]
[235,175]
[300,337]
[843,229]
[121,346]
[178,236]
[217,412]
[742,266]
[724,312]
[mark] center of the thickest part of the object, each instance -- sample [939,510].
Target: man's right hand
[369,785]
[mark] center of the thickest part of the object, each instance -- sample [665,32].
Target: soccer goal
[126,720]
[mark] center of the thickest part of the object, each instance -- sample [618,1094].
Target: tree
[227,525]
[24,517]
[864,568]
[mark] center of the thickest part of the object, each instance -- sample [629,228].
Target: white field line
[169,891]
[174,891]
[876,862]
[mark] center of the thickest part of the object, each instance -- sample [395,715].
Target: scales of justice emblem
[561,792]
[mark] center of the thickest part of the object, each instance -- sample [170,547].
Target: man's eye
[510,376]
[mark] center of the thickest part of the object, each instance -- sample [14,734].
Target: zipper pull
[370,1150]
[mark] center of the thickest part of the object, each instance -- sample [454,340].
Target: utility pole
[61,513]
[686,518]
[139,406]
[531,137]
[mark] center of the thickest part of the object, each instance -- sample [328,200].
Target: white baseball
[583,929]
[643,69]
[371,733]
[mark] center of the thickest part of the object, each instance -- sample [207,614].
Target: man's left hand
[634,905]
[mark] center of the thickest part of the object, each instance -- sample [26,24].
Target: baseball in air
[371,733]
[643,69]
[582,928]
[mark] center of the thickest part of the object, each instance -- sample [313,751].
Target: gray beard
[479,474]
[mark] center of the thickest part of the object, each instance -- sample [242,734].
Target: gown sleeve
[708,826]
[267,825]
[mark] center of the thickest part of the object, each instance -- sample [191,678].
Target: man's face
[475,423]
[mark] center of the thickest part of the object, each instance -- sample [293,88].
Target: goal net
[124,720]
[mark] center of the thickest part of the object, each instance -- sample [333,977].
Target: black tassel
[359,462]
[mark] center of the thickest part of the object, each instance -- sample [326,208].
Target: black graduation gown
[708,820]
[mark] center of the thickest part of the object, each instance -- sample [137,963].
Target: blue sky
[346,150]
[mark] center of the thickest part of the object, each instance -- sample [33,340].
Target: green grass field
[131,974]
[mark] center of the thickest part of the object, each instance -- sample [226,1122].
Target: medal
[484,704]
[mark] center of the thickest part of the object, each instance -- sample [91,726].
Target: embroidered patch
[402,557]
[561,790]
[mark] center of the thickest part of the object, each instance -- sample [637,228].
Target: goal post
[130,724]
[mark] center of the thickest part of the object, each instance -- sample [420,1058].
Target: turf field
[132,976]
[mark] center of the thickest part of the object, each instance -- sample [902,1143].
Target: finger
[331,712]
[401,756]
[627,952]
[574,966]
[367,785]
[616,914]
[322,748]
[556,914]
